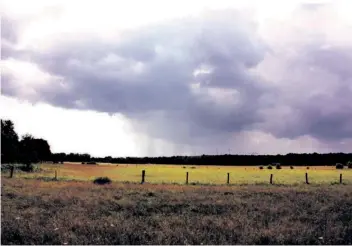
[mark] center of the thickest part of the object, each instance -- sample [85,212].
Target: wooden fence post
[11,171]
[186,177]
[228,178]
[271,178]
[143,176]
[307,181]
[55,174]
[340,178]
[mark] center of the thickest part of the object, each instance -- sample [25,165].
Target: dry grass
[38,212]
[197,174]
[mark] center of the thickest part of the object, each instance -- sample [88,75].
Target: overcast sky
[137,78]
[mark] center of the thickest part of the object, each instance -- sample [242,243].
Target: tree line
[29,150]
[25,150]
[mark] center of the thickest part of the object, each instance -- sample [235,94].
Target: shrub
[291,167]
[278,165]
[349,164]
[270,167]
[339,166]
[102,180]
[307,167]
[91,163]
[150,194]
[25,167]
[83,162]
[261,167]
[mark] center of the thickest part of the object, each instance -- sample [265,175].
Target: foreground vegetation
[38,212]
[197,174]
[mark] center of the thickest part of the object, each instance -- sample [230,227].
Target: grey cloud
[168,55]
[316,95]
[147,76]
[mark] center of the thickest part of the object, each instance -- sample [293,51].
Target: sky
[151,78]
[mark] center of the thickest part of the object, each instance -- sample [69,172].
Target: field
[35,209]
[197,174]
[78,212]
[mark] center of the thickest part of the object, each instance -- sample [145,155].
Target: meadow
[169,174]
[78,212]
[36,209]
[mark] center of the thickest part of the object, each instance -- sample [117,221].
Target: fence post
[307,181]
[186,177]
[228,178]
[55,174]
[143,176]
[11,171]
[340,178]
[271,178]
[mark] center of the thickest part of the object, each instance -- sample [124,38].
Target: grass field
[197,174]
[76,212]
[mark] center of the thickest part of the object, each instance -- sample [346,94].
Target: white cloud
[66,130]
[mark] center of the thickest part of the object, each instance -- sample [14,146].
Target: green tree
[9,142]
[28,151]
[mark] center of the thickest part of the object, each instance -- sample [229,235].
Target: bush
[91,163]
[261,167]
[83,162]
[291,167]
[25,167]
[349,164]
[270,167]
[339,166]
[102,180]
[307,167]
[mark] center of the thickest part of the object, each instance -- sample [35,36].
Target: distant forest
[29,150]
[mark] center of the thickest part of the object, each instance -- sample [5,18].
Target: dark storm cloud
[316,93]
[107,79]
[331,115]
[148,75]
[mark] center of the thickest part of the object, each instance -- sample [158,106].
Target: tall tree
[28,150]
[9,142]
[43,149]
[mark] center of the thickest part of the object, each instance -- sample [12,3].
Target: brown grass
[38,212]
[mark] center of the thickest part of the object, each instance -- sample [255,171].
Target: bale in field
[291,167]
[261,167]
[270,167]
[83,162]
[278,165]
[339,166]
[349,164]
[307,167]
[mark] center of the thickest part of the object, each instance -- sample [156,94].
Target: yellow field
[197,174]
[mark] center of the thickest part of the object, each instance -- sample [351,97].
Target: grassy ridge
[37,212]
[197,174]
